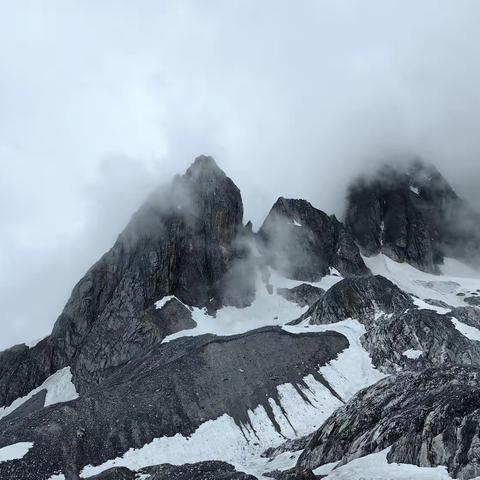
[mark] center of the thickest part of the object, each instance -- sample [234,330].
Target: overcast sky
[102,100]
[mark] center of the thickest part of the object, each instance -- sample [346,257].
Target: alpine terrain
[199,349]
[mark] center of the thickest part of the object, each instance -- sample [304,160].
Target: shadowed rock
[196,471]
[425,331]
[288,446]
[412,216]
[303,242]
[468,315]
[437,303]
[303,295]
[360,298]
[116,473]
[22,369]
[295,473]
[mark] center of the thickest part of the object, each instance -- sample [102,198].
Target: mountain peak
[411,213]
[204,166]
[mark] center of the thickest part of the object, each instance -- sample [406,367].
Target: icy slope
[457,281]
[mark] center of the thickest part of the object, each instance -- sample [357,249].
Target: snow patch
[376,467]
[427,285]
[59,387]
[412,353]
[15,451]
[161,303]
[471,333]
[266,310]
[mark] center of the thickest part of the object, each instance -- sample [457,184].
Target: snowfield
[266,310]
[376,467]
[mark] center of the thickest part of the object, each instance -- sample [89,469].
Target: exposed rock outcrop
[303,242]
[296,473]
[210,470]
[412,215]
[468,315]
[187,247]
[428,418]
[304,295]
[22,369]
[195,471]
[431,335]
[115,473]
[360,298]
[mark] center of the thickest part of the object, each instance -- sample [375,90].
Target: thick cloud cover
[100,101]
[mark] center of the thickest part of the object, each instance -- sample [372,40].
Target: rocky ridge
[187,251]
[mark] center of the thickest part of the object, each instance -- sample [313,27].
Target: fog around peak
[103,101]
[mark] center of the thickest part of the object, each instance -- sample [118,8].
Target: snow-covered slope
[296,414]
[456,282]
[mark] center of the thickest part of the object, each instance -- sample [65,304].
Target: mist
[102,101]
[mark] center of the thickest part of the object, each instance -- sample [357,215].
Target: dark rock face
[412,216]
[34,403]
[196,471]
[359,298]
[424,330]
[173,317]
[288,446]
[437,303]
[303,295]
[474,301]
[179,243]
[183,241]
[295,473]
[22,369]
[468,315]
[173,389]
[429,418]
[116,473]
[303,242]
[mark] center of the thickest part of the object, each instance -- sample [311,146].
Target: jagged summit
[204,165]
[304,242]
[413,215]
[180,242]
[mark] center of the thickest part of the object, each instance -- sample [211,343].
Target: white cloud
[292,100]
